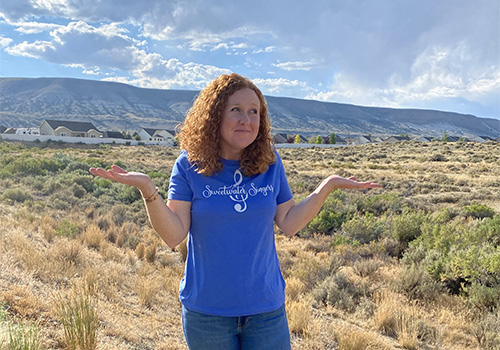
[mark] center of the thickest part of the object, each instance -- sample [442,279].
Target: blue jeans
[265,331]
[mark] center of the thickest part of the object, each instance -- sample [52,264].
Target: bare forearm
[165,222]
[292,217]
[171,222]
[302,213]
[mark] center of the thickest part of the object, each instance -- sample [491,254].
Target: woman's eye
[236,109]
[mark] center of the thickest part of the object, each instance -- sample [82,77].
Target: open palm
[136,179]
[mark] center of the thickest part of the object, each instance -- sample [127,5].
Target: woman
[227,189]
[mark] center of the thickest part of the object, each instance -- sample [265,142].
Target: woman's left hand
[338,182]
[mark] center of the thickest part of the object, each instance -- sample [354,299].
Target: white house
[158,135]
[69,128]
[28,131]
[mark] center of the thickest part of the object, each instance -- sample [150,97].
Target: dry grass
[134,277]
[354,338]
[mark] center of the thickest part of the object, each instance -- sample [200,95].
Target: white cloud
[107,47]
[281,86]
[297,65]
[187,76]
[94,71]
[4,42]
[267,49]
[34,27]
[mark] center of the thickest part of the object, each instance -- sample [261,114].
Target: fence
[86,140]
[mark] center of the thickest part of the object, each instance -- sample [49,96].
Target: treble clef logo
[241,204]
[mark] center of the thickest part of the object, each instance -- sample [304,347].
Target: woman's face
[240,123]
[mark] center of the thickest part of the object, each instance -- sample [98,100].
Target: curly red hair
[200,133]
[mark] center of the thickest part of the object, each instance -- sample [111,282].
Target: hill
[25,102]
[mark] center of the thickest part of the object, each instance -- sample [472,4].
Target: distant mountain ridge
[26,102]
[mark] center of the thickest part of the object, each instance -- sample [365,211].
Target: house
[27,131]
[424,138]
[113,134]
[11,131]
[288,138]
[69,128]
[280,138]
[339,140]
[453,138]
[392,139]
[158,135]
[481,138]
[360,140]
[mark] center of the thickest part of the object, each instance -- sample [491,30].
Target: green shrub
[463,253]
[407,226]
[85,182]
[386,202]
[129,194]
[366,267]
[101,182]
[67,229]
[95,163]
[482,297]
[488,230]
[484,327]
[340,292]
[478,211]
[416,284]
[363,228]
[331,216]
[27,165]
[158,174]
[16,195]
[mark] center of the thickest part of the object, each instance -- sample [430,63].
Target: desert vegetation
[414,265]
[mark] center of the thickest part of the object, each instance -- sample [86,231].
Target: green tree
[319,140]
[297,139]
[445,137]
[333,139]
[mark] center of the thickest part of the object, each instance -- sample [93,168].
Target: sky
[428,54]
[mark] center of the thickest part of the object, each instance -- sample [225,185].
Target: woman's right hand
[142,181]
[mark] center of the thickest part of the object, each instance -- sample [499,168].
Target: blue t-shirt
[232,268]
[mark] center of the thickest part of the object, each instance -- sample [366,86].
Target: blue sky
[427,54]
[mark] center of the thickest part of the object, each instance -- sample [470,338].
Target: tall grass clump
[79,317]
[17,336]
[353,338]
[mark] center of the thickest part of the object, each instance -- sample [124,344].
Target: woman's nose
[245,118]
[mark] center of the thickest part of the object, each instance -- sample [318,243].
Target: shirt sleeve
[285,193]
[179,187]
